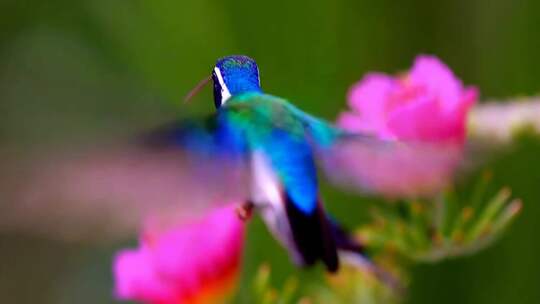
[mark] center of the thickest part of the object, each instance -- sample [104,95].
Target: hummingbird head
[234,75]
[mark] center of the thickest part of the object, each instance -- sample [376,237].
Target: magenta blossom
[426,104]
[425,109]
[193,263]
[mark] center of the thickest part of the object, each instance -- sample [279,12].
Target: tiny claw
[244,211]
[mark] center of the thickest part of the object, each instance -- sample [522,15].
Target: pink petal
[368,99]
[136,278]
[438,79]
[421,120]
[429,104]
[191,261]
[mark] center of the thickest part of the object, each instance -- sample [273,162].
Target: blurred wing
[391,168]
[172,175]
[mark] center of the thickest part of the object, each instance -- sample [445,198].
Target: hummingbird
[275,140]
[281,147]
[256,148]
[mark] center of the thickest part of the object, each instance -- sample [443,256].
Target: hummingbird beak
[197,88]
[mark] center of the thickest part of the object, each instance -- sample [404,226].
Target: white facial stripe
[225,94]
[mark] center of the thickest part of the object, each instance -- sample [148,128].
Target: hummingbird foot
[245,210]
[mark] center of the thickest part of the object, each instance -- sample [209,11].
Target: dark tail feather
[313,236]
[343,239]
[352,251]
[329,252]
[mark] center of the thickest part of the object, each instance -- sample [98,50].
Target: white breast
[268,199]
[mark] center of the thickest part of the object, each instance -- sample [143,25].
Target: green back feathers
[260,114]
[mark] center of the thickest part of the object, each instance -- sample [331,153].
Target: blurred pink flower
[193,263]
[425,108]
[427,104]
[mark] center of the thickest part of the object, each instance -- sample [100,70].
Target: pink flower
[427,104]
[193,263]
[426,108]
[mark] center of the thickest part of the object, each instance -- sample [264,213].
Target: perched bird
[256,148]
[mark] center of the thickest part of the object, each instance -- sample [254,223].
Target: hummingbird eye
[217,91]
[221,92]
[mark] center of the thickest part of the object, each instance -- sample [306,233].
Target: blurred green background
[71,68]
